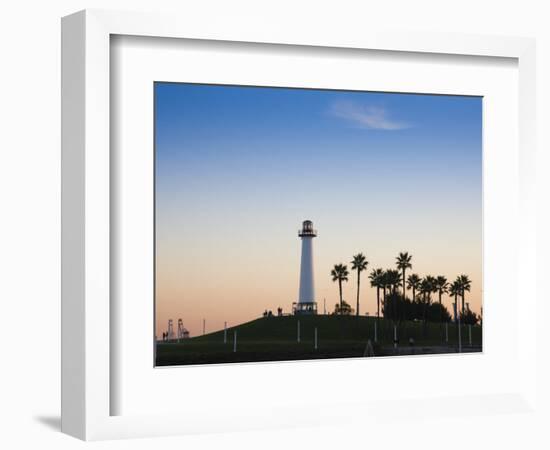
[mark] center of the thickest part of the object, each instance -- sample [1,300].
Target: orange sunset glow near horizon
[238,169]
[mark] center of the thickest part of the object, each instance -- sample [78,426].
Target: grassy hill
[275,339]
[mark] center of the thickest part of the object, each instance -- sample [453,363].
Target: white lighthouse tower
[306,297]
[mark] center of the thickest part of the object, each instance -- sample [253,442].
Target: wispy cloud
[367,116]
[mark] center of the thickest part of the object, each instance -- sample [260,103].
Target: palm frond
[413,281]
[359,262]
[403,260]
[340,272]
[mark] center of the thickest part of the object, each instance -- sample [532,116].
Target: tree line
[391,288]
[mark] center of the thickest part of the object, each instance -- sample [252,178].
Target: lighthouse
[306,296]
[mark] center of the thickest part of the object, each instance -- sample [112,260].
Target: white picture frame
[87,328]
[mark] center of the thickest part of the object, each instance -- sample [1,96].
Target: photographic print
[300,224]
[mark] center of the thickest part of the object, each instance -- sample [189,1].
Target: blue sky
[382,169]
[238,133]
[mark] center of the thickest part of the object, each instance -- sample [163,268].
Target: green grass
[274,339]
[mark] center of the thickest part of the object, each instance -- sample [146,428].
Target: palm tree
[403,262]
[424,288]
[413,282]
[427,286]
[393,279]
[359,263]
[340,273]
[465,285]
[441,285]
[376,281]
[454,291]
[384,285]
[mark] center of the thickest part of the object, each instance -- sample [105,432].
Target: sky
[239,168]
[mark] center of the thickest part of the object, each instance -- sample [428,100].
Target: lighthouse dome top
[307,229]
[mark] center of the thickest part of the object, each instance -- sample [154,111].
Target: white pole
[376,331]
[225,332]
[470,334]
[395,336]
[315,338]
[235,341]
[447,332]
[298,332]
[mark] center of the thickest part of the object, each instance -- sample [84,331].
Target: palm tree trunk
[462,302]
[456,308]
[440,317]
[403,303]
[394,301]
[378,301]
[358,286]
[340,286]
[413,308]
[403,284]
[440,308]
